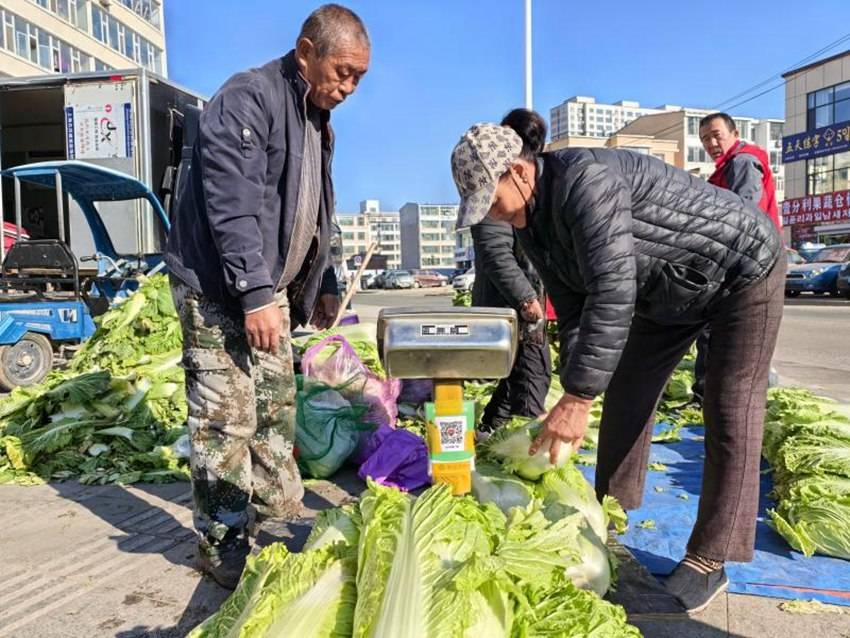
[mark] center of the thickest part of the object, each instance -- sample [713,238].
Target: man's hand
[565,424]
[531,311]
[326,311]
[263,328]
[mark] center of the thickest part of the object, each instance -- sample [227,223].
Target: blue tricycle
[46,308]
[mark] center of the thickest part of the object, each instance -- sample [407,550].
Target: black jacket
[615,233]
[234,219]
[504,277]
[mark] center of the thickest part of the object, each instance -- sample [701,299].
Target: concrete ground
[111,561]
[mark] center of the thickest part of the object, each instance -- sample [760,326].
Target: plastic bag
[397,458]
[344,371]
[328,429]
[416,391]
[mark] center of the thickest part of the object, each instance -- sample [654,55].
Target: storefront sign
[823,141]
[813,209]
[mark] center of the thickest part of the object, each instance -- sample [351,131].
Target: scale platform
[447,343]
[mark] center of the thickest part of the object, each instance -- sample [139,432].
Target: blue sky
[440,65]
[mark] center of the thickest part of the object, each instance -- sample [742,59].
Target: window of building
[348,236]
[148,9]
[828,106]
[743,127]
[693,125]
[697,154]
[828,174]
[40,47]
[776,130]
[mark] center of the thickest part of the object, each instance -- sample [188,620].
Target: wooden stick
[353,285]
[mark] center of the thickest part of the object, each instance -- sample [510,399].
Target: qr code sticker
[452,433]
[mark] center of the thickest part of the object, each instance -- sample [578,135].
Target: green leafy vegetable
[509,446]
[491,485]
[113,413]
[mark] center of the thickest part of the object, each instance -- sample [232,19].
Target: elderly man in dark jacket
[249,255]
[505,278]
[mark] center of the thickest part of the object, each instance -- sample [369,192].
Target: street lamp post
[528,101]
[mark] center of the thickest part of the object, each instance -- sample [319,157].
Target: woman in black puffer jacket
[637,256]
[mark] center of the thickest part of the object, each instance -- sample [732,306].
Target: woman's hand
[565,424]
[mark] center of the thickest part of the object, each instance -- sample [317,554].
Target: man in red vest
[740,167]
[744,169]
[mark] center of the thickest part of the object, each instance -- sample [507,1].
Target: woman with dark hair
[637,257]
[505,278]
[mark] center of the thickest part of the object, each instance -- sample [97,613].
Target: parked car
[843,282]
[464,281]
[821,275]
[379,280]
[794,258]
[397,279]
[429,279]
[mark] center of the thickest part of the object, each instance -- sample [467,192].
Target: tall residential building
[672,134]
[371,224]
[816,151]
[428,235]
[71,36]
[582,116]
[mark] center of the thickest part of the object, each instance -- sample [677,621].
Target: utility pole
[528,101]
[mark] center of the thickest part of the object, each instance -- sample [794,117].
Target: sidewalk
[110,561]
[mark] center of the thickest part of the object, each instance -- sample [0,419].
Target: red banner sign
[813,209]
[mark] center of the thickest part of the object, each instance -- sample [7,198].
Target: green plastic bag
[328,428]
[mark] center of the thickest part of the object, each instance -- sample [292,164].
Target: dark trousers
[523,393]
[743,334]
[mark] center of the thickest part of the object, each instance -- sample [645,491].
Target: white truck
[130,120]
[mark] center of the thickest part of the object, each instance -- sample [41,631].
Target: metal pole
[18,209]
[60,206]
[528,81]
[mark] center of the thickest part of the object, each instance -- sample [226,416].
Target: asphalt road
[813,349]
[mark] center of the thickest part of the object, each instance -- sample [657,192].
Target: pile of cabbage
[116,414]
[507,476]
[432,566]
[807,443]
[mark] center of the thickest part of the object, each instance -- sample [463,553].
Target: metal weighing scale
[449,346]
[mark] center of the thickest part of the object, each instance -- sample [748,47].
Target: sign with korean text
[823,141]
[815,209]
[99,120]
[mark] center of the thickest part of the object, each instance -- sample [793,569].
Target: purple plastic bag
[416,391]
[397,458]
[344,371]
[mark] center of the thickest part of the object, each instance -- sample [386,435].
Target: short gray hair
[332,24]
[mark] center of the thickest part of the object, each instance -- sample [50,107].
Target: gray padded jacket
[614,233]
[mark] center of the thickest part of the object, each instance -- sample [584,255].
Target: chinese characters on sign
[823,141]
[99,120]
[813,209]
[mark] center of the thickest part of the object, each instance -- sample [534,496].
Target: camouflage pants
[241,417]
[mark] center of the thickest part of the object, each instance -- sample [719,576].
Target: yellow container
[457,473]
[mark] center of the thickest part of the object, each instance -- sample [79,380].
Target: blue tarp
[776,569]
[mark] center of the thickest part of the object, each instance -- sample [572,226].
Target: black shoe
[224,560]
[696,590]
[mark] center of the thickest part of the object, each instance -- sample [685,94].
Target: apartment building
[369,225]
[428,235]
[668,132]
[72,36]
